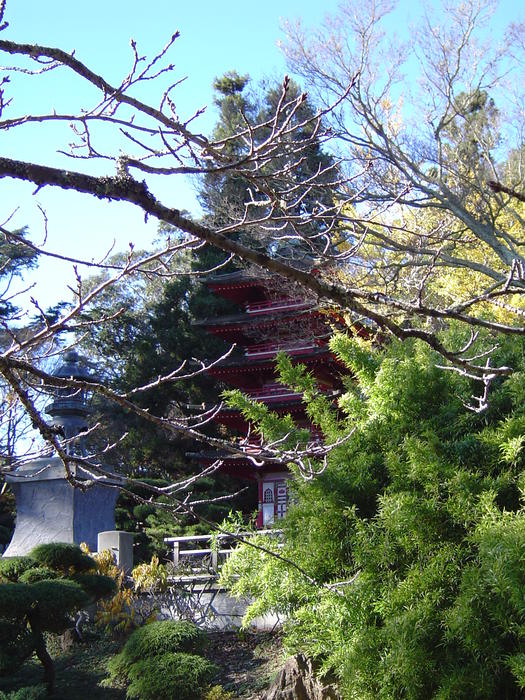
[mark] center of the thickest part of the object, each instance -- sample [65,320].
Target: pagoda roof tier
[239,286]
[262,357]
[244,317]
[242,467]
[249,374]
[240,328]
[233,417]
[235,277]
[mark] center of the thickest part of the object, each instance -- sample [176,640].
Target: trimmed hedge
[40,593]
[39,573]
[160,661]
[56,600]
[62,556]
[96,585]
[15,600]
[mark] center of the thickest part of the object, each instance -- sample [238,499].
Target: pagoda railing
[276,305]
[271,349]
[271,392]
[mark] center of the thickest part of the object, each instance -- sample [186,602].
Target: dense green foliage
[160,661]
[170,676]
[32,693]
[157,638]
[421,510]
[62,557]
[39,593]
[11,568]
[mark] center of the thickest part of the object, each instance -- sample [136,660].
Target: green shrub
[49,587]
[11,568]
[15,600]
[420,512]
[35,692]
[16,644]
[95,585]
[155,639]
[62,556]
[38,573]
[177,676]
[55,601]
[217,692]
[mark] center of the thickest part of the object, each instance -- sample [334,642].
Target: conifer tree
[157,330]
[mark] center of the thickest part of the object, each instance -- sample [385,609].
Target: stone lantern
[48,507]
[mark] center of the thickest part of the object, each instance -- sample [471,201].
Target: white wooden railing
[208,558]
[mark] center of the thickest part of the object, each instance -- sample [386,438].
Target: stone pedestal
[49,509]
[120,544]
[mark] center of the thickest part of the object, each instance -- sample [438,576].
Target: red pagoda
[269,320]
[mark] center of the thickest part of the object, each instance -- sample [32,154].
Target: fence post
[214,555]
[176,549]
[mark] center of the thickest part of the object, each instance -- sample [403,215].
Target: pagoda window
[268,496]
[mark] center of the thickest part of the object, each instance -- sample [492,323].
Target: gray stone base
[49,509]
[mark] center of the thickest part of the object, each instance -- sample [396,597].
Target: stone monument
[48,507]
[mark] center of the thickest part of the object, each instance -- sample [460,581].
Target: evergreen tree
[413,534]
[156,330]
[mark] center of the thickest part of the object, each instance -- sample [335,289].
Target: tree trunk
[43,656]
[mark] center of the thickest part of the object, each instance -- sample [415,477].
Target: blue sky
[215,37]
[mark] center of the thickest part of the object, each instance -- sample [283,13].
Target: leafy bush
[95,585]
[35,692]
[62,556]
[178,676]
[157,662]
[116,615]
[55,601]
[150,578]
[15,600]
[217,692]
[11,568]
[39,573]
[157,638]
